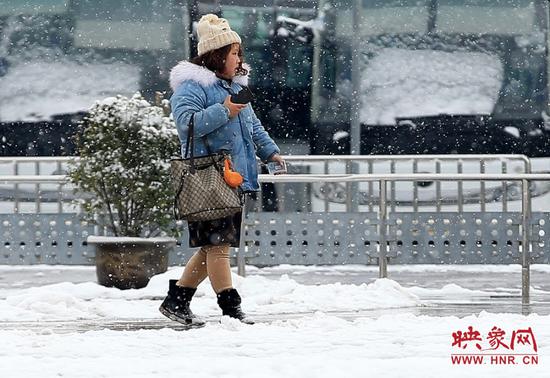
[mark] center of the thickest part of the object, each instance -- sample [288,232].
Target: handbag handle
[191,139]
[189,152]
[190,143]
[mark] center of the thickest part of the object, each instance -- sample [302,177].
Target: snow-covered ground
[313,322]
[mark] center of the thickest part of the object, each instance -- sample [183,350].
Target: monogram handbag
[201,192]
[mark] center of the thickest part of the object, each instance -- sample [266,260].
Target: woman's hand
[234,109]
[276,158]
[276,164]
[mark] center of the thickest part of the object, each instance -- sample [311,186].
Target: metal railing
[383,179]
[371,178]
[37,171]
[455,163]
[49,170]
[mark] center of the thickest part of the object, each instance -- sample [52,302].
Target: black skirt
[215,232]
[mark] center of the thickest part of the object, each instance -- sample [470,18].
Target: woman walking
[202,89]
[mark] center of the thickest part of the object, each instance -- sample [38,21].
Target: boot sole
[244,321]
[183,321]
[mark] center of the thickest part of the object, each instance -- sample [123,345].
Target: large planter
[129,263]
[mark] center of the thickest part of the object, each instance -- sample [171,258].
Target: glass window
[123,10]
[54,64]
[142,24]
[485,17]
[253,24]
[256,27]
[8,7]
[459,65]
[403,16]
[383,16]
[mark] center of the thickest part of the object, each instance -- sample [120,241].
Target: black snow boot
[229,301]
[176,305]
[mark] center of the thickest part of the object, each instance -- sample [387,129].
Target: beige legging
[211,261]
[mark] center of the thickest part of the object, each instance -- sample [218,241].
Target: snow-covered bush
[124,163]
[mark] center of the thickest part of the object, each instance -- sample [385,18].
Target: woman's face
[232,61]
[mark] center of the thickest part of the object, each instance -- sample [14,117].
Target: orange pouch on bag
[232,178]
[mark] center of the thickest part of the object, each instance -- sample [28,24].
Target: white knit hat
[214,32]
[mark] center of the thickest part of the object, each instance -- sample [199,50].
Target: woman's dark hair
[215,60]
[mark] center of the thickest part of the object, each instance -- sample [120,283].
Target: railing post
[241,262]
[525,244]
[382,262]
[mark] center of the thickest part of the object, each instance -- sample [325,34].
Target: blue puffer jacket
[199,92]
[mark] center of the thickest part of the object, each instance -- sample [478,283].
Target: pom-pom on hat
[214,32]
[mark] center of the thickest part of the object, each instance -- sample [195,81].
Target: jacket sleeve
[190,99]
[265,146]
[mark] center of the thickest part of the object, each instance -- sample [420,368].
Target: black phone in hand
[243,97]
